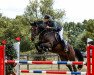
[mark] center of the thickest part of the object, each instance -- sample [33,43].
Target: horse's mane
[37,23]
[40,22]
[41,26]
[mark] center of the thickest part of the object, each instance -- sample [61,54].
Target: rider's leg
[64,43]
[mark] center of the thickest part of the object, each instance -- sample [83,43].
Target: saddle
[57,36]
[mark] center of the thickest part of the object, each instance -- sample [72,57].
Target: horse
[49,41]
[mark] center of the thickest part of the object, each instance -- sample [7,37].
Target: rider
[48,21]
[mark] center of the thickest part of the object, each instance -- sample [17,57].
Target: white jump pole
[17,48]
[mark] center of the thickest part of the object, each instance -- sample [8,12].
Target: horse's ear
[32,23]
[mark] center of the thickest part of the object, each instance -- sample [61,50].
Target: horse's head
[35,29]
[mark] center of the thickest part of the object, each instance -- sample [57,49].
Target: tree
[80,41]
[47,8]
[89,25]
[36,10]
[4,24]
[74,33]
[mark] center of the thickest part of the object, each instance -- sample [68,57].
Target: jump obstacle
[88,72]
[45,62]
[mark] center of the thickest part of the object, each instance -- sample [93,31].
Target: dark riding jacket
[54,25]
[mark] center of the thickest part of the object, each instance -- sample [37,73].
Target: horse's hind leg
[75,69]
[70,67]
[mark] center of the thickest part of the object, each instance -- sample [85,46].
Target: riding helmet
[47,17]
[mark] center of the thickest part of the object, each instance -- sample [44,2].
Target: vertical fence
[2,60]
[89,71]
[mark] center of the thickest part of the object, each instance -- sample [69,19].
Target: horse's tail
[79,57]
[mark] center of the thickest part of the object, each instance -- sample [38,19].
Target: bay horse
[48,41]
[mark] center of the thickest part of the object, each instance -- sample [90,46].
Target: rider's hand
[48,27]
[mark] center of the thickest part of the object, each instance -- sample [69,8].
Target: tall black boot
[64,45]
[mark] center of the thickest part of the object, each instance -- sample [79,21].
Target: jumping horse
[48,41]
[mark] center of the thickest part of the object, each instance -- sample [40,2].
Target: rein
[40,33]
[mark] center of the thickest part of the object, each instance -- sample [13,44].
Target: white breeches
[61,34]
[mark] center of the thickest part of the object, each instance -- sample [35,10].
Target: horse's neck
[41,30]
[50,37]
[47,34]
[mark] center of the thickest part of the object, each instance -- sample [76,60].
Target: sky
[76,10]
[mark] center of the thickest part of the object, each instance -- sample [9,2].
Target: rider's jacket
[55,26]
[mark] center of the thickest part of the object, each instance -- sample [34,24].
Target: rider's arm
[53,25]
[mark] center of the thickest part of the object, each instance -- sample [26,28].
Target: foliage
[26,44]
[4,24]
[10,51]
[79,43]
[10,54]
[75,33]
[36,10]
[89,25]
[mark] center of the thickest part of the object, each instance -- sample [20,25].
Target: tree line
[75,33]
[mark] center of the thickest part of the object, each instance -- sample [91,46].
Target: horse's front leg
[46,46]
[39,49]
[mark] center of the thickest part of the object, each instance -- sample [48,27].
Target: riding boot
[64,45]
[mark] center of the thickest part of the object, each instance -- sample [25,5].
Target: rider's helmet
[48,17]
